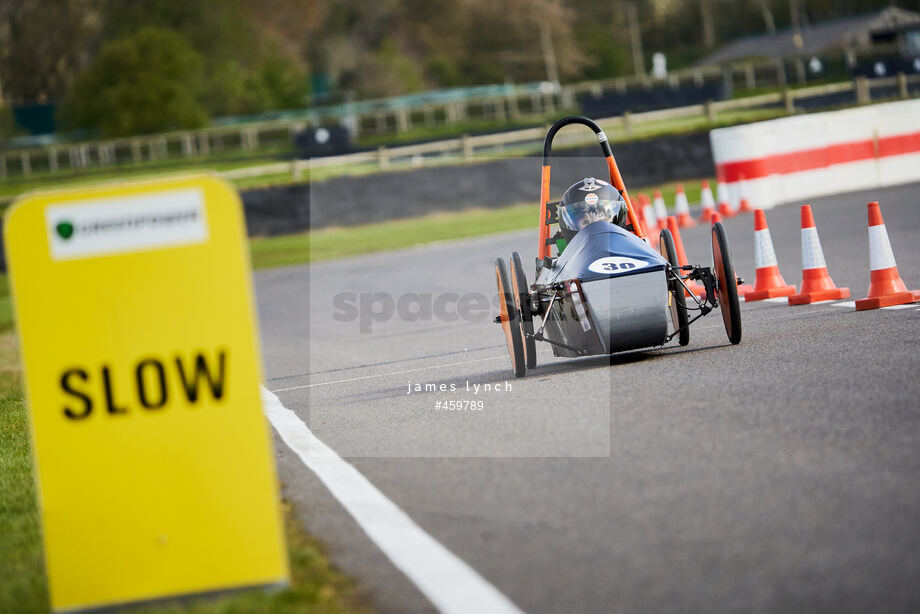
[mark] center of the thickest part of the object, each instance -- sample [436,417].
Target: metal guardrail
[466,148]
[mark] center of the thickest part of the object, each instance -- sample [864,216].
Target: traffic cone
[817,284]
[640,217]
[694,285]
[682,208]
[725,209]
[886,288]
[661,212]
[744,206]
[768,283]
[651,221]
[722,193]
[708,203]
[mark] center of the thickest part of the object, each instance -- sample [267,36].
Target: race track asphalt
[782,474]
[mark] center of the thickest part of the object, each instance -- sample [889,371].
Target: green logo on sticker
[64,230]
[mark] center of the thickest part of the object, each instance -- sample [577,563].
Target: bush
[147,82]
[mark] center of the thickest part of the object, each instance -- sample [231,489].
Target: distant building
[887,27]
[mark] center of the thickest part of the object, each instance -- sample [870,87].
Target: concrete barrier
[796,158]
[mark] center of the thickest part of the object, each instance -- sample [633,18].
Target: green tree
[144,83]
[284,83]
[606,51]
[8,126]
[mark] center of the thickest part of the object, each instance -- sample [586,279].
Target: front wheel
[509,318]
[522,302]
[726,283]
[677,301]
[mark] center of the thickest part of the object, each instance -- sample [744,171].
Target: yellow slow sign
[135,312]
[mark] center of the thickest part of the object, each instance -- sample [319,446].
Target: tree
[43,43]
[144,83]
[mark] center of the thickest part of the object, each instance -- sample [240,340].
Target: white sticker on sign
[126,224]
[615,265]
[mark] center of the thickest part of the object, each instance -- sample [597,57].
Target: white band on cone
[723,192]
[706,199]
[650,218]
[764,255]
[880,254]
[660,210]
[812,254]
[680,203]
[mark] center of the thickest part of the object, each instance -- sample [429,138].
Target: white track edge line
[447,581]
[355,379]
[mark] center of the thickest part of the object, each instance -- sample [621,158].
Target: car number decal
[615,265]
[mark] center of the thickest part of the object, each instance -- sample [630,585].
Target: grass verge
[340,242]
[352,241]
[316,586]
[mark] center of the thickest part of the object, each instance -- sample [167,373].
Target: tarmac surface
[782,474]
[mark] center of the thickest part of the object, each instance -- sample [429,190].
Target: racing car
[606,289]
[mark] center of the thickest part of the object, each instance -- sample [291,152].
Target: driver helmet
[590,200]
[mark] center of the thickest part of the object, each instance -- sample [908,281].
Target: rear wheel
[522,302]
[509,318]
[677,301]
[727,284]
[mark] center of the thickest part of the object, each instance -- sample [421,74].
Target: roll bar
[616,180]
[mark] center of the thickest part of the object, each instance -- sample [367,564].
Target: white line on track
[355,379]
[448,582]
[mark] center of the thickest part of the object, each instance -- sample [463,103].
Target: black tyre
[727,284]
[522,302]
[677,301]
[510,318]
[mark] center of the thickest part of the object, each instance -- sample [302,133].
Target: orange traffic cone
[708,203]
[768,283]
[651,220]
[886,288]
[696,286]
[640,217]
[661,212]
[817,284]
[722,193]
[745,206]
[725,209]
[682,208]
